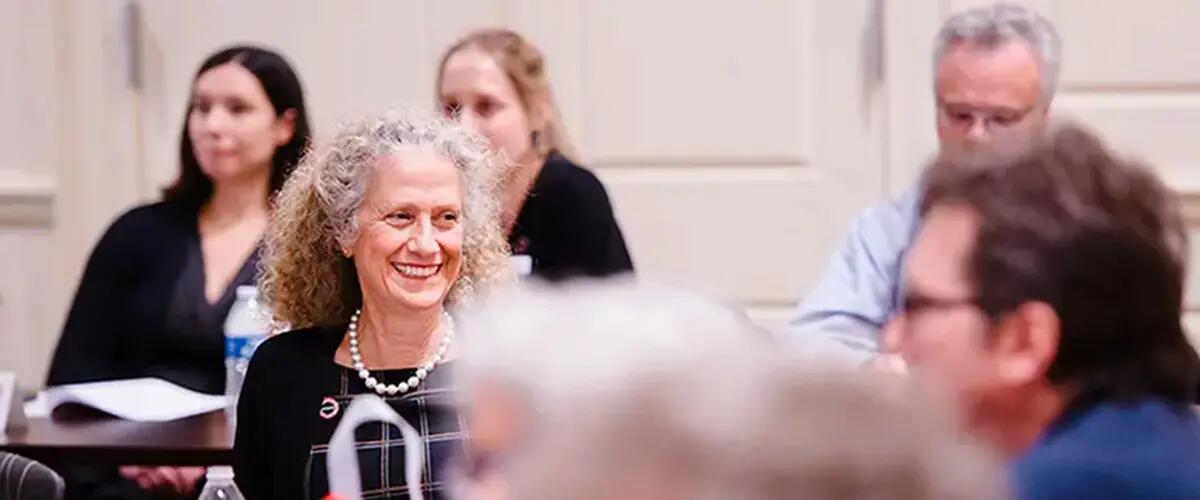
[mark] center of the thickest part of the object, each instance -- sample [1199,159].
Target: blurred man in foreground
[1045,291]
[641,393]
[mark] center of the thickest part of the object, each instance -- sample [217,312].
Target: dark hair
[282,87]
[1099,239]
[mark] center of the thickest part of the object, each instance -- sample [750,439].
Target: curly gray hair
[306,279]
[999,23]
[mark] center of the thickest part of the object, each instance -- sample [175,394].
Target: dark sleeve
[251,442]
[599,246]
[90,347]
[1071,477]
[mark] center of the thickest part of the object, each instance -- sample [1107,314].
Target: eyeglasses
[904,323]
[915,303]
[992,119]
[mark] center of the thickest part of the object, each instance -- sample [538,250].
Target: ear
[539,114]
[1026,343]
[497,418]
[346,248]
[284,127]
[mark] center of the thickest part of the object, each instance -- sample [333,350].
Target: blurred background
[737,139]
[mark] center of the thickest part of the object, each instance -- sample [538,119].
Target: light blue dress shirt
[863,284]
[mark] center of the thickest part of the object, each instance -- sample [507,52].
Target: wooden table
[91,439]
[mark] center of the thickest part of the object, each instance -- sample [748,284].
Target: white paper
[520,265]
[139,400]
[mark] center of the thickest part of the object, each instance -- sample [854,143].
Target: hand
[888,363]
[180,481]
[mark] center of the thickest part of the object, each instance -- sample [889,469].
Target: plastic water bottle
[219,485]
[247,324]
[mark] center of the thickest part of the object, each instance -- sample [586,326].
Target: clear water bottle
[219,485]
[246,326]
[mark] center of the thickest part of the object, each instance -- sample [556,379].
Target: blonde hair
[303,274]
[526,69]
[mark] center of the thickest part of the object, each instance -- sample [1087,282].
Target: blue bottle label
[240,347]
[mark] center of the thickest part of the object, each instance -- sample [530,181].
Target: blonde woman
[554,211]
[376,236]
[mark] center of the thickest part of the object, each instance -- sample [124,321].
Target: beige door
[28,230]
[64,158]
[736,142]
[737,139]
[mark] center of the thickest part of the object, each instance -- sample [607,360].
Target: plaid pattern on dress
[431,410]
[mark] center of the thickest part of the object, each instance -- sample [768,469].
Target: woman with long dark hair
[160,282]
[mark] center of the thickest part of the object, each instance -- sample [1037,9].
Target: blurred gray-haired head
[549,343]
[639,392]
[997,24]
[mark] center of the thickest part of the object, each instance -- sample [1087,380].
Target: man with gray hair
[995,71]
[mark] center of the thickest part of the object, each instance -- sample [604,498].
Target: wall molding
[1191,207]
[26,200]
[650,160]
[1188,187]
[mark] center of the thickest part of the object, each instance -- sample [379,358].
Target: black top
[292,400]
[140,309]
[567,226]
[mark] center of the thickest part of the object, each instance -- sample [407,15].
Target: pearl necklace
[411,384]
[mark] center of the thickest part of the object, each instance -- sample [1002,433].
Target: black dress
[140,310]
[292,400]
[567,226]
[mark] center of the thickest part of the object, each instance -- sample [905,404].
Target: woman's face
[408,251]
[474,87]
[233,127]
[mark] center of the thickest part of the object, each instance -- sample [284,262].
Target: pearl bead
[422,371]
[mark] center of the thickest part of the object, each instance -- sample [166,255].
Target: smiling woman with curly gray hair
[308,279]
[378,231]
